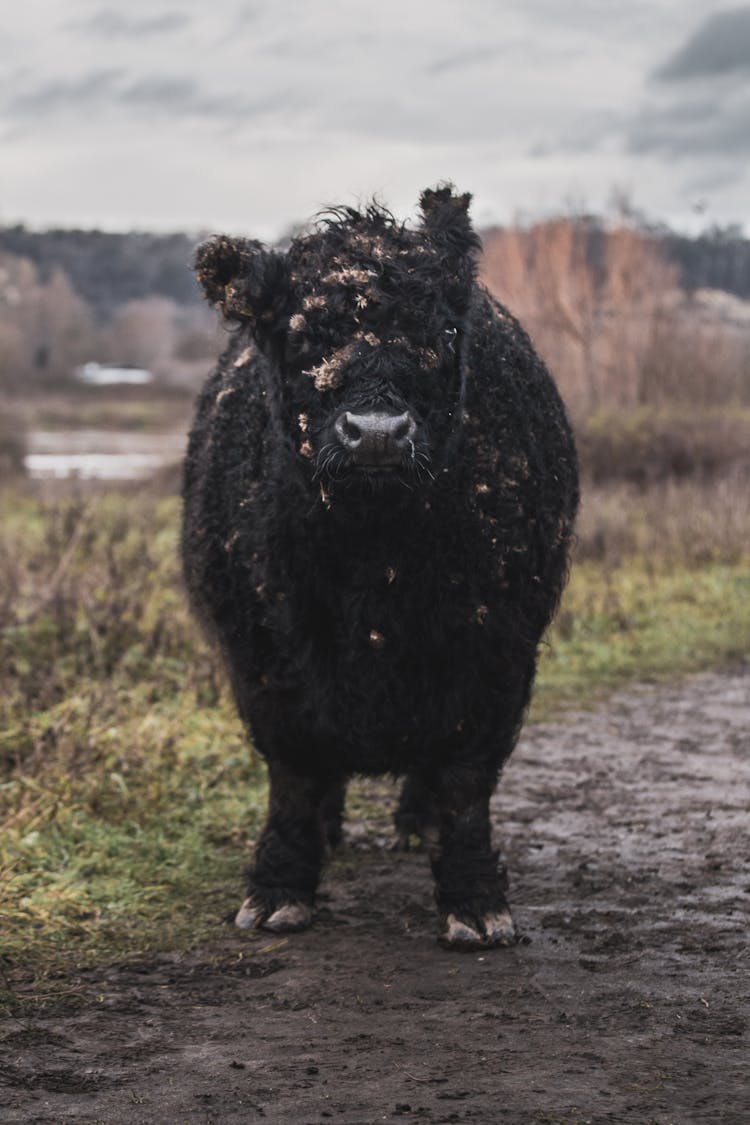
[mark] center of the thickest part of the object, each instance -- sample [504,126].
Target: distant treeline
[108,270]
[717,259]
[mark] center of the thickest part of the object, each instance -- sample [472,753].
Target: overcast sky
[248,115]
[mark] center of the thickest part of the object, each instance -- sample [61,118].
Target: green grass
[632,622]
[126,784]
[127,789]
[138,847]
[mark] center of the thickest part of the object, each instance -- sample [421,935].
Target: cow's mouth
[370,467]
[378,475]
[344,476]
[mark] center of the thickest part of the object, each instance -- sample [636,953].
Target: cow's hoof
[250,915]
[483,932]
[288,918]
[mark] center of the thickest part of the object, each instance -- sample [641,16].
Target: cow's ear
[446,220]
[243,277]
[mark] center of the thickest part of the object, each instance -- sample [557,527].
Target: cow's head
[362,321]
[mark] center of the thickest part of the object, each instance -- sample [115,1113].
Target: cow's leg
[470,885]
[415,814]
[284,876]
[332,814]
[470,882]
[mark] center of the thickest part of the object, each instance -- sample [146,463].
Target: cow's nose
[376,439]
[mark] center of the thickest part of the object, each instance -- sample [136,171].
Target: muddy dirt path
[626,837]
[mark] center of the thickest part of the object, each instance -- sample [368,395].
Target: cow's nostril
[347,430]
[404,428]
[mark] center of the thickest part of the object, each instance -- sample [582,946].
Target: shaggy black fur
[377,618]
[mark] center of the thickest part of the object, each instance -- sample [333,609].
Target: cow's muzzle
[376,440]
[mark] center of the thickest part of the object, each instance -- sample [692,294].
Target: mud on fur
[379,495]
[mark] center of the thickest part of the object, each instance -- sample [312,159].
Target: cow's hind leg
[415,815]
[284,875]
[332,814]
[470,885]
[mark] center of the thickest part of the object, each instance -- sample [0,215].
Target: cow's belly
[374,708]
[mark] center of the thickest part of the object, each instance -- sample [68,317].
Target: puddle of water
[93,466]
[100,454]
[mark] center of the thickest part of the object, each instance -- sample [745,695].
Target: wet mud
[625,834]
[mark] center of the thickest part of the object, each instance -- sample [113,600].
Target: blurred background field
[127,790]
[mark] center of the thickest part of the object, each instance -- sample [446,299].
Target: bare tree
[596,300]
[143,333]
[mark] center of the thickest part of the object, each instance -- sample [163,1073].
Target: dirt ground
[625,832]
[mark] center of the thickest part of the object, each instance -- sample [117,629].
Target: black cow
[379,493]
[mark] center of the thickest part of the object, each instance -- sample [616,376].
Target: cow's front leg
[284,875]
[470,885]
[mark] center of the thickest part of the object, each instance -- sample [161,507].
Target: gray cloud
[164,93]
[716,178]
[110,23]
[590,133]
[113,91]
[721,45]
[699,128]
[109,90]
[700,110]
[182,97]
[249,13]
[460,59]
[63,94]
